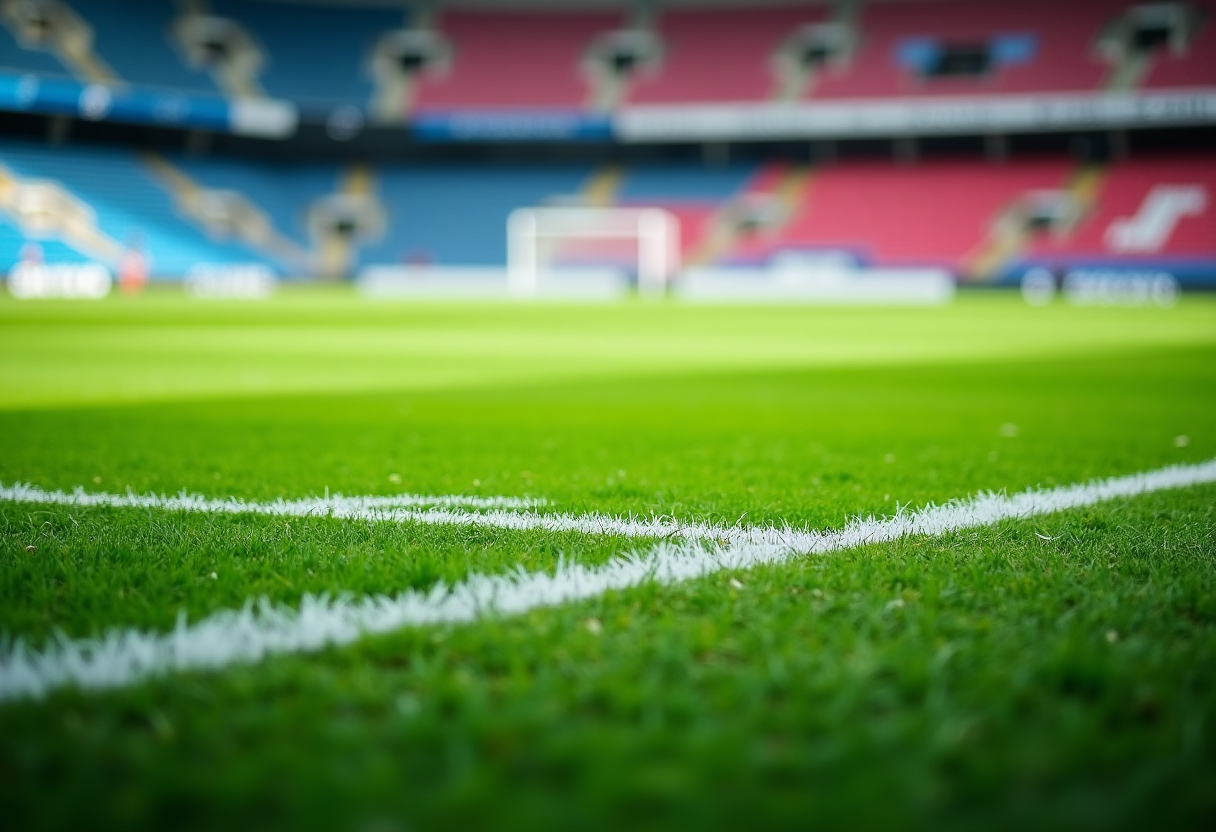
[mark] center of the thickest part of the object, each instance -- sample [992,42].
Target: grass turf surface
[1048,673]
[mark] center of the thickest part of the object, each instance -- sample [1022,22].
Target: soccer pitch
[1039,659]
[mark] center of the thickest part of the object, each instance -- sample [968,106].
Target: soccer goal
[556,244]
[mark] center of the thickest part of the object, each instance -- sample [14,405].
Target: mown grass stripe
[259,629]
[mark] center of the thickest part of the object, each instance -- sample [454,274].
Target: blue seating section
[457,215]
[130,205]
[444,214]
[284,192]
[53,251]
[447,214]
[316,56]
[684,183]
[13,58]
[133,37]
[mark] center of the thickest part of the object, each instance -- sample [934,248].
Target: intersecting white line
[123,657]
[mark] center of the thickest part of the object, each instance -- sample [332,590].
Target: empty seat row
[394,62]
[976,218]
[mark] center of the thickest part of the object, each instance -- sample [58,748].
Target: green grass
[328,342]
[1055,673]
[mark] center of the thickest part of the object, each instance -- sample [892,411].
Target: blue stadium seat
[12,241]
[128,203]
[316,56]
[132,36]
[283,191]
[684,183]
[457,214]
[13,58]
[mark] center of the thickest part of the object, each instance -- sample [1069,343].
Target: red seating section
[1123,192]
[941,213]
[930,213]
[515,60]
[1064,60]
[1192,69]
[720,54]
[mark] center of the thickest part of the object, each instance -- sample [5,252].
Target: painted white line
[124,657]
[513,513]
[336,505]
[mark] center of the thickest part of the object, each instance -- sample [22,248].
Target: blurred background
[714,150]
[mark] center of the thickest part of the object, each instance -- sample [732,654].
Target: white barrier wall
[84,281]
[473,283]
[816,285]
[783,284]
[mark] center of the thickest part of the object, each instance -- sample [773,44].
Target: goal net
[545,245]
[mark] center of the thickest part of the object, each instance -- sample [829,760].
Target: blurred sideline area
[852,151]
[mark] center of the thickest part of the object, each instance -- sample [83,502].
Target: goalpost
[558,242]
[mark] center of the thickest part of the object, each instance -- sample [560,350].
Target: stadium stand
[682,183]
[694,196]
[128,208]
[489,71]
[739,43]
[1153,207]
[941,213]
[16,56]
[316,56]
[283,192]
[948,47]
[13,241]
[960,47]
[932,213]
[1187,67]
[331,216]
[981,221]
[141,43]
[457,214]
[882,49]
[138,46]
[453,214]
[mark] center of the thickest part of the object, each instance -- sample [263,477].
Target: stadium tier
[983,221]
[319,57]
[101,203]
[933,213]
[1147,209]
[514,59]
[961,48]
[694,196]
[138,47]
[993,222]
[13,240]
[1187,68]
[457,214]
[682,184]
[282,192]
[394,62]
[17,59]
[738,43]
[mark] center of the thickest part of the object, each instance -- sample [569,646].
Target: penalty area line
[259,630]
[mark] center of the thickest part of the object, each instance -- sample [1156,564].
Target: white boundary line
[514,513]
[259,630]
[336,505]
